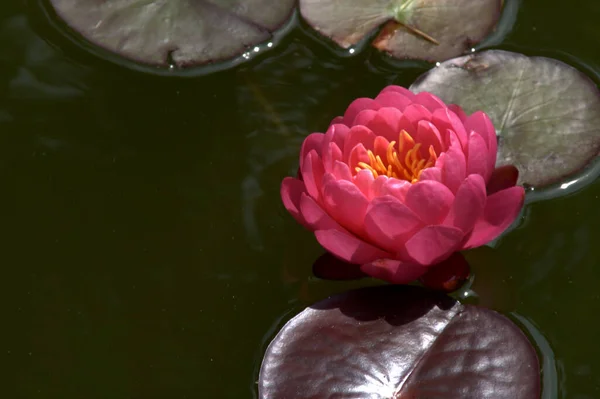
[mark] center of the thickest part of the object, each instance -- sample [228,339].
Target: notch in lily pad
[546,113]
[175,33]
[412,29]
[399,342]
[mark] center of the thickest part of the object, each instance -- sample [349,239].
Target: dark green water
[145,252]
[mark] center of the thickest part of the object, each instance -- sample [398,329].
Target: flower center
[405,163]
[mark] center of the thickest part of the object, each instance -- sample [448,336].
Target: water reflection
[39,72]
[570,186]
[546,357]
[510,11]
[285,98]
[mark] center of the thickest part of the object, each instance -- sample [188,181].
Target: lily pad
[415,29]
[546,113]
[175,32]
[399,342]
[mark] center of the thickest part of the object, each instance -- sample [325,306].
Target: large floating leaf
[183,32]
[546,113]
[416,29]
[397,342]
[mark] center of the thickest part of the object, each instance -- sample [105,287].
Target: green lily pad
[415,29]
[178,33]
[546,113]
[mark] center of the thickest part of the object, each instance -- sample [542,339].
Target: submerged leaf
[546,113]
[399,342]
[180,32]
[416,29]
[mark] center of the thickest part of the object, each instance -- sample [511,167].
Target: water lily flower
[401,182]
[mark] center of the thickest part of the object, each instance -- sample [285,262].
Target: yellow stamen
[406,163]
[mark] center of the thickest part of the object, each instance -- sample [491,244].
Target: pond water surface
[146,253]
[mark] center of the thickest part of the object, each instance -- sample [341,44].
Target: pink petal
[482,124]
[458,111]
[389,223]
[346,204]
[502,178]
[392,118]
[416,113]
[364,181]
[444,120]
[337,134]
[428,135]
[433,244]
[406,123]
[399,89]
[341,171]
[291,190]
[477,156]
[313,141]
[433,173]
[316,218]
[364,117]
[355,107]
[393,99]
[331,154]
[385,123]
[393,271]
[337,120]
[430,101]
[380,146]
[327,178]
[501,209]
[349,248]
[455,165]
[358,135]
[312,174]
[357,155]
[396,188]
[429,200]
[377,186]
[468,205]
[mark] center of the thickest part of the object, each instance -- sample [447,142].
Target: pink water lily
[401,182]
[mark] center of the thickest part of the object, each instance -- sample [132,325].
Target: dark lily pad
[546,113]
[415,29]
[399,342]
[175,32]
